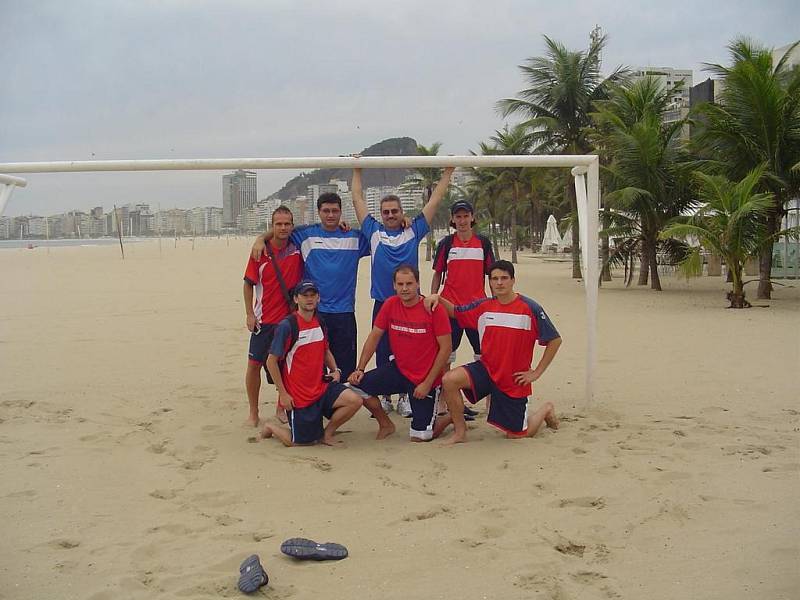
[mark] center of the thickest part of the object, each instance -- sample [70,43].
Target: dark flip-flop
[253,575]
[310,550]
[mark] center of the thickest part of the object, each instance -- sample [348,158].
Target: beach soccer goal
[585,170]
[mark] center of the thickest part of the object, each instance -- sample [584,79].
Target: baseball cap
[305,286]
[461,205]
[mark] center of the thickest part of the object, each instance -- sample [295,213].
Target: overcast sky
[140,79]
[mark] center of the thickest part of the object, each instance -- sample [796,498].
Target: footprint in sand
[582,502]
[428,514]
[164,494]
[65,544]
[158,447]
[570,548]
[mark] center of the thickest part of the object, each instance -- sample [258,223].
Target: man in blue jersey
[331,256]
[392,245]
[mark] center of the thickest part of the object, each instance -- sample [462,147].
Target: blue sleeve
[282,332]
[547,331]
[363,242]
[369,226]
[299,234]
[420,226]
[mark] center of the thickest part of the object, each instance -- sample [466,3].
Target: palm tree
[646,171]
[728,224]
[515,141]
[484,191]
[757,121]
[563,87]
[427,179]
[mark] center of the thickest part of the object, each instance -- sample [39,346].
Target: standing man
[462,259]
[391,246]
[296,359]
[266,302]
[331,261]
[420,341]
[509,326]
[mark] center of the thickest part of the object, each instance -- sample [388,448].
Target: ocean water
[8,244]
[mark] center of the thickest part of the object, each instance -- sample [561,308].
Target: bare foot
[330,440]
[252,420]
[455,439]
[280,414]
[441,424]
[385,431]
[266,432]
[550,419]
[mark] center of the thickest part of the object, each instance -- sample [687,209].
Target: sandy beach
[128,473]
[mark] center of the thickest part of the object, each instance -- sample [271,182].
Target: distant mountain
[404,146]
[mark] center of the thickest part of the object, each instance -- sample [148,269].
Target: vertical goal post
[585,170]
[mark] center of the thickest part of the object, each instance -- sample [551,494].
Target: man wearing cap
[299,351]
[266,303]
[462,260]
[391,245]
[331,256]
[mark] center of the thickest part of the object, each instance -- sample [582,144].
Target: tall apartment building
[238,194]
[668,78]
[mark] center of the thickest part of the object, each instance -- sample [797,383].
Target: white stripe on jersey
[465,254]
[305,337]
[407,329]
[258,308]
[498,319]
[393,241]
[327,243]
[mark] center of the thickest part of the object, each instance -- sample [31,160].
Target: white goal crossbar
[585,170]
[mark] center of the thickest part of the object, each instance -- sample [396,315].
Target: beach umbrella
[551,235]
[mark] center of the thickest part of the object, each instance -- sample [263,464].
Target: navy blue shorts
[507,413]
[342,340]
[456,334]
[260,341]
[386,380]
[306,423]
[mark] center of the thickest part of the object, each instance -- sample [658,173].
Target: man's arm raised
[358,196]
[429,210]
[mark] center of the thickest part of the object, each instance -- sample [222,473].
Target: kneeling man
[420,342]
[296,357]
[509,325]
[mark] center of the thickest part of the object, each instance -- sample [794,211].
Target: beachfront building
[6,228]
[238,194]
[668,78]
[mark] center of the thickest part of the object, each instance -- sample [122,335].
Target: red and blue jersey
[269,304]
[508,334]
[466,266]
[412,332]
[303,361]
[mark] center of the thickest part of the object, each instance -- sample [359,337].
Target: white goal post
[585,170]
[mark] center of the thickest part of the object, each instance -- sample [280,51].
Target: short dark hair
[405,268]
[392,198]
[281,209]
[502,265]
[328,198]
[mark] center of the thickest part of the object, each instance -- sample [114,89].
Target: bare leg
[546,414]
[282,434]
[280,412]
[385,425]
[441,424]
[452,384]
[345,406]
[252,383]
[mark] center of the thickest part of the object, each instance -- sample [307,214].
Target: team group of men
[310,352]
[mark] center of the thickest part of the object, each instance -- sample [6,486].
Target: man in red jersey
[299,351]
[462,260]
[420,342]
[509,326]
[265,303]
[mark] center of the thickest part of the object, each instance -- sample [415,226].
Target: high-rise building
[678,79]
[238,194]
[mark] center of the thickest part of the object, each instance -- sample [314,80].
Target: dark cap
[461,205]
[305,286]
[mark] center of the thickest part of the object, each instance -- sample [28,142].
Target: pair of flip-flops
[252,575]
